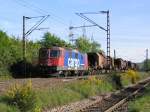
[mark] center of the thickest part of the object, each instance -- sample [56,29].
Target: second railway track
[117,102]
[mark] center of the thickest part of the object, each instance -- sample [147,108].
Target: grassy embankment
[142,104]
[5,77]
[64,94]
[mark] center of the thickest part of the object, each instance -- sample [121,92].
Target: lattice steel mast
[82,15]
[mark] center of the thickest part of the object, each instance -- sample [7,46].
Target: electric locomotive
[58,60]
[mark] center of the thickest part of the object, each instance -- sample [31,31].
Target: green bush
[116,79]
[11,52]
[130,77]
[23,97]
[7,108]
[4,73]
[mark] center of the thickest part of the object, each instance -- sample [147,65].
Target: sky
[129,21]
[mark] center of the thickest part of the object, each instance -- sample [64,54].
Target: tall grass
[7,108]
[57,97]
[73,92]
[142,104]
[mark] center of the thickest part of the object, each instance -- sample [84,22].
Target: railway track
[118,101]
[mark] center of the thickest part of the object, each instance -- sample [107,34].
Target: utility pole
[146,60]
[108,39]
[114,54]
[82,15]
[24,46]
[24,40]
[27,33]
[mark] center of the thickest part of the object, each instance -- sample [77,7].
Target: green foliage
[73,92]
[145,65]
[58,96]
[11,52]
[7,108]
[84,45]
[131,76]
[50,40]
[116,79]
[141,104]
[4,72]
[95,47]
[33,51]
[23,97]
[84,88]
[91,87]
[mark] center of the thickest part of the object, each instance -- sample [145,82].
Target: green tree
[33,51]
[84,45]
[95,47]
[146,65]
[49,40]
[11,52]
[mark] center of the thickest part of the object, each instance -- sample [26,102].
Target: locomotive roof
[62,48]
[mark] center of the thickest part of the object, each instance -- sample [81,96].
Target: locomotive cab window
[76,55]
[70,54]
[81,57]
[44,53]
[55,53]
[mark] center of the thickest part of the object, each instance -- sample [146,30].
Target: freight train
[58,60]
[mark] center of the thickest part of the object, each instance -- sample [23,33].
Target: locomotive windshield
[44,53]
[54,53]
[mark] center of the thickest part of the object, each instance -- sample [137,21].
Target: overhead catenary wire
[28,6]
[36,25]
[40,10]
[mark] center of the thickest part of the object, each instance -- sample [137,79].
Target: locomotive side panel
[74,60]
